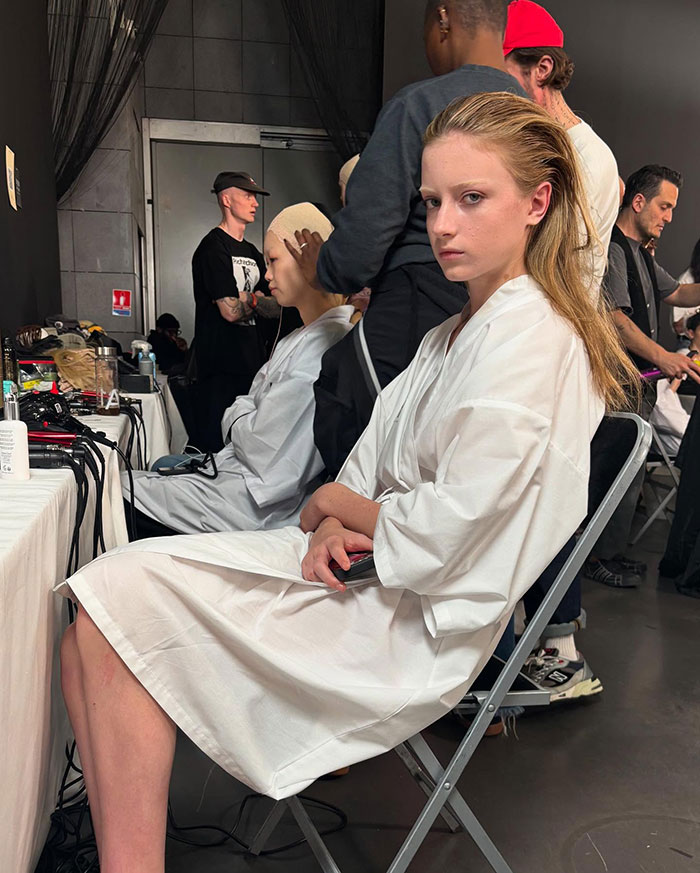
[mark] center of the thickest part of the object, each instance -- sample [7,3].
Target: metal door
[184,210]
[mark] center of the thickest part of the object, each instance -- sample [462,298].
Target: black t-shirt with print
[222,267]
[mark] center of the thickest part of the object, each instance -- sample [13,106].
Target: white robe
[480,459]
[269,464]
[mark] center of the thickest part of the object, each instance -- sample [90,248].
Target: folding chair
[439,782]
[653,488]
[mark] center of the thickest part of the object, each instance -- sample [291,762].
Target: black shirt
[166,351]
[222,267]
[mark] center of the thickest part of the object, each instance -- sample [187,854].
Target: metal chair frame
[653,487]
[439,782]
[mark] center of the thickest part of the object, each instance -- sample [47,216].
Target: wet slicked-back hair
[473,14]
[535,149]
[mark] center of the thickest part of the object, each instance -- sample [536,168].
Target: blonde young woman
[468,480]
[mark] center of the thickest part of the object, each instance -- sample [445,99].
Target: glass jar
[107,380]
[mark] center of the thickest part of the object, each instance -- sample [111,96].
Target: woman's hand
[307,255]
[332,541]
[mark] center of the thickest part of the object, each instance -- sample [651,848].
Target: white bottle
[14,445]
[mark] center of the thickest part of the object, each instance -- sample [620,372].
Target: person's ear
[639,201]
[543,70]
[539,203]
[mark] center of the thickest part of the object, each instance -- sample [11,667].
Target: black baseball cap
[167,321]
[237,180]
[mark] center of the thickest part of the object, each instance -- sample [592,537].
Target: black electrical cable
[81,506]
[126,410]
[98,531]
[137,433]
[137,408]
[230,834]
[99,437]
[70,846]
[91,464]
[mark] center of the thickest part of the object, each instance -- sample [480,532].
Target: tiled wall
[98,224]
[211,60]
[226,60]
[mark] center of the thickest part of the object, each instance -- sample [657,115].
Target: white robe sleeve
[275,440]
[243,405]
[503,502]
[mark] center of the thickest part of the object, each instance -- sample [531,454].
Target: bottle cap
[11,407]
[106,352]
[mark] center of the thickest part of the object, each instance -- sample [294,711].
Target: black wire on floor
[71,847]
[230,834]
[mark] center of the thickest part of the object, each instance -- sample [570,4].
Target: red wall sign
[121,302]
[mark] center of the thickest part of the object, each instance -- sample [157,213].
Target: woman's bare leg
[74,695]
[132,742]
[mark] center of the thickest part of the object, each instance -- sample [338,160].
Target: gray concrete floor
[608,786]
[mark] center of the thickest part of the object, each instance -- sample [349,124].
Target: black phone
[361,564]
[174,471]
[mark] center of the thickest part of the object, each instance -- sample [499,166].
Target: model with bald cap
[269,464]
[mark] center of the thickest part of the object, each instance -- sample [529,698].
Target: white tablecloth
[36,526]
[36,523]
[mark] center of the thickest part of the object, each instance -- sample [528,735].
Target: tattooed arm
[233,309]
[266,307]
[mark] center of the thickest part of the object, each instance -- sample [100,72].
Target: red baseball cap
[530,26]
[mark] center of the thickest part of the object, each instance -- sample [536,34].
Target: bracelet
[253,300]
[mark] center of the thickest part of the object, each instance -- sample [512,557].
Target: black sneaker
[609,573]
[627,565]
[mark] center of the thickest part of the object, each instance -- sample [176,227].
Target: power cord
[231,833]
[71,847]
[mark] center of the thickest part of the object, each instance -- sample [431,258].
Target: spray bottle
[142,351]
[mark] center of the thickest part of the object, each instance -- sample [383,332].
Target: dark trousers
[212,396]
[145,526]
[682,556]
[405,304]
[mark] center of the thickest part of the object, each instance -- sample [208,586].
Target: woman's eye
[431,203]
[472,197]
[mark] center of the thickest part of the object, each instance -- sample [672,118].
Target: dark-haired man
[636,285]
[380,238]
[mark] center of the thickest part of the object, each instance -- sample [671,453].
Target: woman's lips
[449,254]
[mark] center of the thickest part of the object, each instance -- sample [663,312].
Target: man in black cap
[229,349]
[167,344]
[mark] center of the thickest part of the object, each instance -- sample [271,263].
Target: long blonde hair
[559,252]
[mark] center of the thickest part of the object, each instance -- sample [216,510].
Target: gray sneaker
[565,680]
